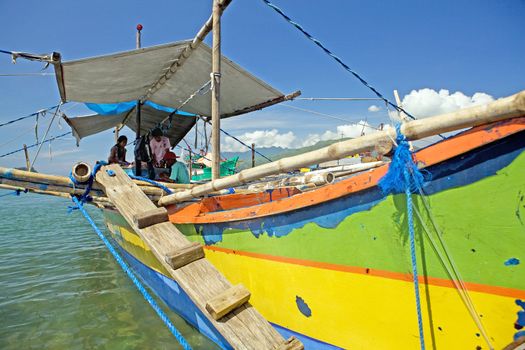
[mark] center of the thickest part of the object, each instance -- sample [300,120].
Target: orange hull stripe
[441,282]
[434,154]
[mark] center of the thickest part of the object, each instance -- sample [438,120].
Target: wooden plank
[227,301]
[291,344]
[244,327]
[150,217]
[185,255]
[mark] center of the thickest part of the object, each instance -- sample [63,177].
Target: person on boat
[117,153]
[179,172]
[159,145]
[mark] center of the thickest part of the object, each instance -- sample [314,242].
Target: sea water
[60,288]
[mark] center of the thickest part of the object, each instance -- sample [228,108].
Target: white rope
[26,74]
[330,116]
[200,91]
[452,271]
[339,98]
[45,135]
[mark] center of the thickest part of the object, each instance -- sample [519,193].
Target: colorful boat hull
[332,266]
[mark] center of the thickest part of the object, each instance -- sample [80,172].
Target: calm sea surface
[60,288]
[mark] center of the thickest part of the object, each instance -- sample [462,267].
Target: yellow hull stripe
[357,311]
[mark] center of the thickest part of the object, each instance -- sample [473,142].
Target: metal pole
[215,100]
[138,165]
[253,155]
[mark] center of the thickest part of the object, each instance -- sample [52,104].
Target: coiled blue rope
[337,59]
[133,278]
[85,196]
[154,183]
[404,176]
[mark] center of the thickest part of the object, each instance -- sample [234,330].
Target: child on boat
[117,153]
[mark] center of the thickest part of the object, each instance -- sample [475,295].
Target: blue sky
[460,46]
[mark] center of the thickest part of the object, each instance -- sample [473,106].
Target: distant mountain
[274,153]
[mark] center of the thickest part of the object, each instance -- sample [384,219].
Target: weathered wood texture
[244,327]
[228,300]
[291,344]
[150,217]
[184,256]
[504,108]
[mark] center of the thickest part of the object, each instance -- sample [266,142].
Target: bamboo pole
[28,163]
[138,106]
[174,67]
[46,189]
[504,108]
[215,87]
[253,155]
[63,181]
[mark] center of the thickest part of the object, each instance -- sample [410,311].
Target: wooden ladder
[225,306]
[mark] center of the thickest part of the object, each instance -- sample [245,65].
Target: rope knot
[403,171]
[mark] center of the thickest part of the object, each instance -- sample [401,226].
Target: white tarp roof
[128,75]
[150,118]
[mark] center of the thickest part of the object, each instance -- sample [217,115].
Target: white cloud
[428,102]
[261,138]
[273,138]
[374,108]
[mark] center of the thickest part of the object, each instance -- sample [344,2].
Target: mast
[138,165]
[215,97]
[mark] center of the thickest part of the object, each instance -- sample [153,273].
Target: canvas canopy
[151,117]
[128,76]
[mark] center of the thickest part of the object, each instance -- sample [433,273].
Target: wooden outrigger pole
[504,108]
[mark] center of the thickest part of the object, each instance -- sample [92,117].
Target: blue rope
[14,193]
[35,144]
[132,276]
[27,116]
[337,59]
[85,197]
[404,176]
[154,183]
[413,259]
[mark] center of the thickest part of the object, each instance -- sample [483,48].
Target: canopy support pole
[138,164]
[215,83]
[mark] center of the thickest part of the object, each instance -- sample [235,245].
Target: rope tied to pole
[404,176]
[85,197]
[182,341]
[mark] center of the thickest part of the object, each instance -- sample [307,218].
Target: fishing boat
[331,262]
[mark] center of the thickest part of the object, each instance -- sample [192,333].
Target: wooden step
[184,256]
[150,217]
[244,327]
[227,301]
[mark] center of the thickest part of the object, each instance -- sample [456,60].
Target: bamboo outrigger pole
[504,108]
[215,88]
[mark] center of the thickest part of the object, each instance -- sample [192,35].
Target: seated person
[159,145]
[117,153]
[179,172]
